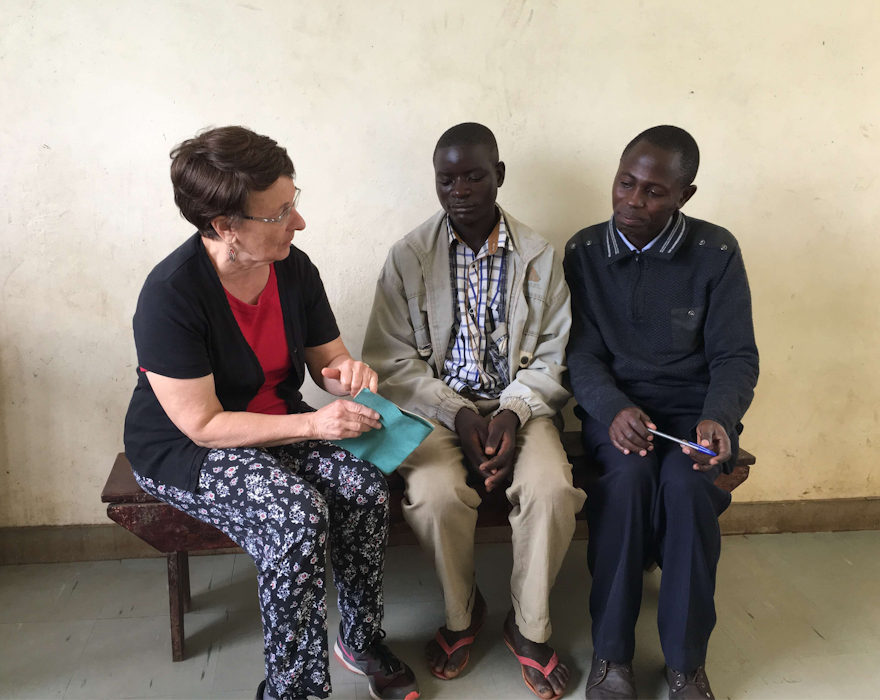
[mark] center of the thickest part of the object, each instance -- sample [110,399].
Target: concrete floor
[798,617]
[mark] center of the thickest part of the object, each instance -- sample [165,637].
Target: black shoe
[390,678]
[689,686]
[611,681]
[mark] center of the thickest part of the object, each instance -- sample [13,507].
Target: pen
[686,443]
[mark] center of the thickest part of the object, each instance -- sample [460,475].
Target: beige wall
[781,95]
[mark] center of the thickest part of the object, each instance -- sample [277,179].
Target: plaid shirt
[478,292]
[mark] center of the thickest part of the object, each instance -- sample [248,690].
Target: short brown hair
[213,173]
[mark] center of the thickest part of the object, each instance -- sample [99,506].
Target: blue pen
[686,443]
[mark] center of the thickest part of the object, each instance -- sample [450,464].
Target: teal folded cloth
[401,433]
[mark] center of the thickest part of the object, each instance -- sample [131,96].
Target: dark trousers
[653,507]
[281,505]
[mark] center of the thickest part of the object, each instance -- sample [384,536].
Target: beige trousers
[442,510]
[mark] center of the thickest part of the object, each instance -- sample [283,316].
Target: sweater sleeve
[589,359]
[168,334]
[731,351]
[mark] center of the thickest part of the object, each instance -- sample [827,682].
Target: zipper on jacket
[636,302]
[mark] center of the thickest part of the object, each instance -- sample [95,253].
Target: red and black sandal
[531,663]
[450,650]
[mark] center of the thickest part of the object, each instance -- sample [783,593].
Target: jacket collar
[670,241]
[497,239]
[430,241]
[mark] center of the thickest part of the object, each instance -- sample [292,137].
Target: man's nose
[636,198]
[461,189]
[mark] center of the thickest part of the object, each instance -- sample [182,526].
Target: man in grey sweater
[661,338]
[468,329]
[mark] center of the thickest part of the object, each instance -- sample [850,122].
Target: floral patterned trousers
[280,505]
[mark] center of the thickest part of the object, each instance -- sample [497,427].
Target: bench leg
[176,563]
[184,581]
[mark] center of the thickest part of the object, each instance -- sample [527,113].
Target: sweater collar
[669,241]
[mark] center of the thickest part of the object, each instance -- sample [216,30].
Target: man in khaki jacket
[468,329]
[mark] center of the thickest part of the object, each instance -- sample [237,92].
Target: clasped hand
[488,445]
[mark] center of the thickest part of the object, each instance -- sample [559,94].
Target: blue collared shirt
[632,247]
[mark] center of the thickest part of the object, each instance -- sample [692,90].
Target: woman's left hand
[352,376]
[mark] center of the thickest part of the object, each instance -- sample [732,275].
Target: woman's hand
[334,369]
[351,376]
[342,419]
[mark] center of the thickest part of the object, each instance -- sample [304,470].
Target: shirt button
[471,312]
[691,312]
[702,242]
[524,360]
[588,243]
[724,247]
[574,245]
[294,350]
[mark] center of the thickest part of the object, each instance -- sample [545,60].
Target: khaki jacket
[410,326]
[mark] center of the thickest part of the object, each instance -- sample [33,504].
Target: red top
[262,325]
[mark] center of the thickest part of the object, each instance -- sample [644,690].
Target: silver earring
[231,254]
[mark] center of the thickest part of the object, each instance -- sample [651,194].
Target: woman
[225,327]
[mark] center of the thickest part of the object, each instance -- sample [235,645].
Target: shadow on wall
[805,290]
[29,417]
[560,198]
[5,456]
[557,197]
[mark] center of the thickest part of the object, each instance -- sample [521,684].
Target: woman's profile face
[265,242]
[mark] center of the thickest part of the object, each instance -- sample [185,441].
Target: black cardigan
[184,328]
[668,329]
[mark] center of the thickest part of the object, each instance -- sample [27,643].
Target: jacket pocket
[423,341]
[418,316]
[687,328]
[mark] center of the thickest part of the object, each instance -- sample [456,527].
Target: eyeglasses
[284,214]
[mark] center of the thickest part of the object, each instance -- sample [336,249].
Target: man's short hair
[469,134]
[676,140]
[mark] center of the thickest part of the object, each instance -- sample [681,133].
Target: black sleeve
[321,325]
[595,389]
[169,336]
[730,347]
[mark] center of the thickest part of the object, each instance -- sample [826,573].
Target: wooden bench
[175,534]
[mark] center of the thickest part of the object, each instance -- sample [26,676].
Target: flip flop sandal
[450,650]
[545,670]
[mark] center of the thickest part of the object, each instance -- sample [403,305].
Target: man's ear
[686,194]
[500,171]
[222,226]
